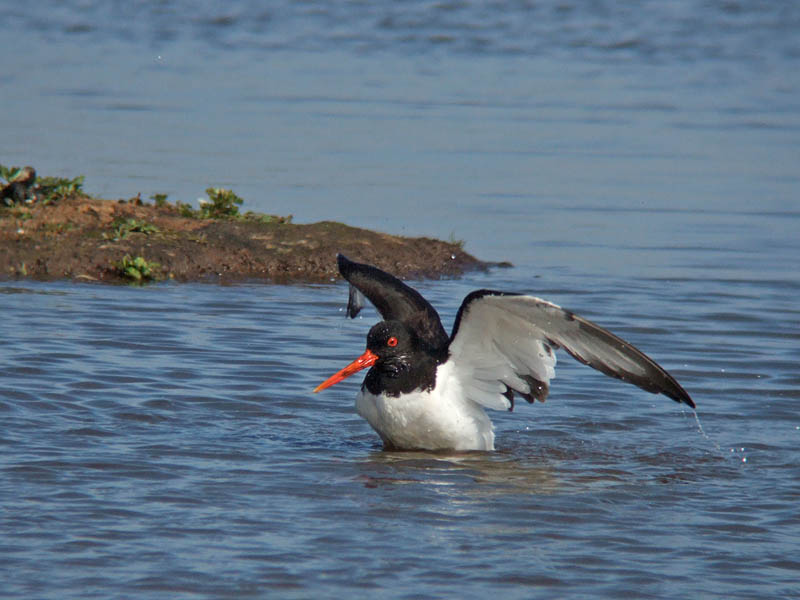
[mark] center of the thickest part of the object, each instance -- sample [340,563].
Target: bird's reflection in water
[472,473]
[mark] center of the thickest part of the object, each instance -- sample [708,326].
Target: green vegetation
[53,189]
[23,186]
[138,270]
[43,189]
[455,241]
[9,173]
[224,204]
[160,200]
[121,228]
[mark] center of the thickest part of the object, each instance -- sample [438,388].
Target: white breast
[442,418]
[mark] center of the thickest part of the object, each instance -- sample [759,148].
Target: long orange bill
[362,362]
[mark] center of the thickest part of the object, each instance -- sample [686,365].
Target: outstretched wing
[503,343]
[394,300]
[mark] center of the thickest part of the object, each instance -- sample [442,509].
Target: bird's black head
[404,362]
[400,362]
[392,341]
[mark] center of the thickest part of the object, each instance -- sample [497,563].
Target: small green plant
[122,227]
[455,241]
[9,173]
[224,204]
[186,210]
[53,189]
[160,200]
[138,270]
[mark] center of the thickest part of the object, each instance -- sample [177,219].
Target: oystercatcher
[427,390]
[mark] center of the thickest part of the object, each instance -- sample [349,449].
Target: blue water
[637,162]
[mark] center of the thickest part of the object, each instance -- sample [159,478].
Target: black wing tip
[669,387]
[681,396]
[659,380]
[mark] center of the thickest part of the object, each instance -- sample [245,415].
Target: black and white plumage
[427,390]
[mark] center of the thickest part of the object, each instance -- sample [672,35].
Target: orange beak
[362,362]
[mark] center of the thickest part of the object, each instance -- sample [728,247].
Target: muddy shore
[88,239]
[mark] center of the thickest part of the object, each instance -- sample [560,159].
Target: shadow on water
[576,467]
[473,472]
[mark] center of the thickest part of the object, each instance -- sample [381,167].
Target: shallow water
[637,165]
[165,441]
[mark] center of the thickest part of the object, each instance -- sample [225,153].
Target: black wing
[394,300]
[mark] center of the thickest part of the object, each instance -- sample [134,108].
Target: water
[637,163]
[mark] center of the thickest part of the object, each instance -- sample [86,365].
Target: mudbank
[61,233]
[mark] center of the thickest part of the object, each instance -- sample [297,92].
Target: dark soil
[75,238]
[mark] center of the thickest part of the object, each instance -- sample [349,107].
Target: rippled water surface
[636,162]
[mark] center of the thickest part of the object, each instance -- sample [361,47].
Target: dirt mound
[83,238]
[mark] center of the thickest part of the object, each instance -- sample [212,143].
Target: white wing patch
[497,349]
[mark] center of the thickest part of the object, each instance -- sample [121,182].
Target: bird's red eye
[392,341]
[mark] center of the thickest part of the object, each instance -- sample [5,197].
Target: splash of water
[733,452]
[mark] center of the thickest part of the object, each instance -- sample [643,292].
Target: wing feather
[508,340]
